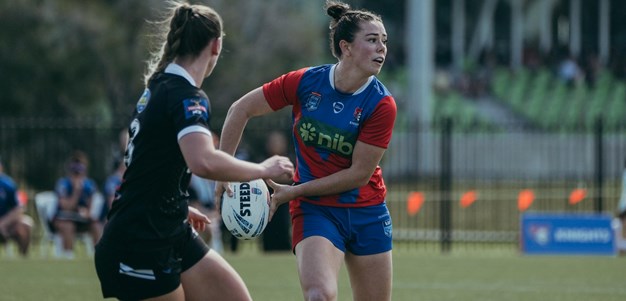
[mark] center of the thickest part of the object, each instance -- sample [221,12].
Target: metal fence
[448,187]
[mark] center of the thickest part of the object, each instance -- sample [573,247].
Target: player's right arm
[250,105]
[205,161]
[270,97]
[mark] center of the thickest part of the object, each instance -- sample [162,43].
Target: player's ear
[345,47]
[216,46]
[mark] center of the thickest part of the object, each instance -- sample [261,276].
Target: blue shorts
[360,230]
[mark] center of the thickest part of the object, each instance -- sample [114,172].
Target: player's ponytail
[191,28]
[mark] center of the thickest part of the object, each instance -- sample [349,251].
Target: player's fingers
[229,190]
[273,206]
[200,226]
[272,210]
[220,188]
[271,184]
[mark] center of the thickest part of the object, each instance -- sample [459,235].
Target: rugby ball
[246,213]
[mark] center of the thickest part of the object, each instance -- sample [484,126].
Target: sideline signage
[575,234]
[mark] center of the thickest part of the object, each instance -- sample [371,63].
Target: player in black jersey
[150,248]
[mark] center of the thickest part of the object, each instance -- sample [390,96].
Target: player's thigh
[212,278]
[176,295]
[319,262]
[370,275]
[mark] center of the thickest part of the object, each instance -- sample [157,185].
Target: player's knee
[320,294]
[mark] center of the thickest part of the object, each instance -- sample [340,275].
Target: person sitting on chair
[14,224]
[74,192]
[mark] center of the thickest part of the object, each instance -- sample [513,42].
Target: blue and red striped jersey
[327,124]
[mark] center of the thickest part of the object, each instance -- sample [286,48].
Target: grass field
[418,275]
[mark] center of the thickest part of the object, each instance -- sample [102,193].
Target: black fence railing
[447,188]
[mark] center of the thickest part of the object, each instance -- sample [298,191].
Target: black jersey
[152,200]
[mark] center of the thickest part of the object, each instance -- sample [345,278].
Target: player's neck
[195,68]
[348,80]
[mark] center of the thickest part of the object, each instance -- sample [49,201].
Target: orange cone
[414,203]
[525,199]
[468,198]
[577,195]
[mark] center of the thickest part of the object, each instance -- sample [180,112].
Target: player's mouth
[379,60]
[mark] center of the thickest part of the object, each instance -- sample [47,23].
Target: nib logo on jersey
[315,133]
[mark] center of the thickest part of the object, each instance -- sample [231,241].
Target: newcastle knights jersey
[151,203]
[327,124]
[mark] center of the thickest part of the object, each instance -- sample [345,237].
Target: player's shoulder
[314,75]
[179,87]
[380,88]
[321,69]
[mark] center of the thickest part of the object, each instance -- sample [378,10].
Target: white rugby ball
[246,213]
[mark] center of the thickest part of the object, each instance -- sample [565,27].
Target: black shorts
[133,273]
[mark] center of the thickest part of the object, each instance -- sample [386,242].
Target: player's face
[369,48]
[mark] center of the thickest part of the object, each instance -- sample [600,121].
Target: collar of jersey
[176,69]
[331,77]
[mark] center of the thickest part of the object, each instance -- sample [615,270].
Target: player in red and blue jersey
[343,118]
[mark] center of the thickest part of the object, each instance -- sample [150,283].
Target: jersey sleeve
[191,114]
[283,91]
[379,126]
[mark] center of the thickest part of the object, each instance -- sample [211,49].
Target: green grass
[480,274]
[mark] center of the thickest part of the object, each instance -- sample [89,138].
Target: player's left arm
[365,159]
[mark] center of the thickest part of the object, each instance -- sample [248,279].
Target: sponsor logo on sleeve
[196,107]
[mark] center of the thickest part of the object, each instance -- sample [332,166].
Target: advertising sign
[580,234]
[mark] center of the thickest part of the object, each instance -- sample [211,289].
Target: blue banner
[579,234]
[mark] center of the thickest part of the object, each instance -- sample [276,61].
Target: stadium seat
[501,83]
[46,203]
[616,107]
[555,102]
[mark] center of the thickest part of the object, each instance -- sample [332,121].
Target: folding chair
[46,204]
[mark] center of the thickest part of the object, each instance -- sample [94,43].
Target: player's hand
[197,220]
[278,167]
[282,194]
[220,188]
